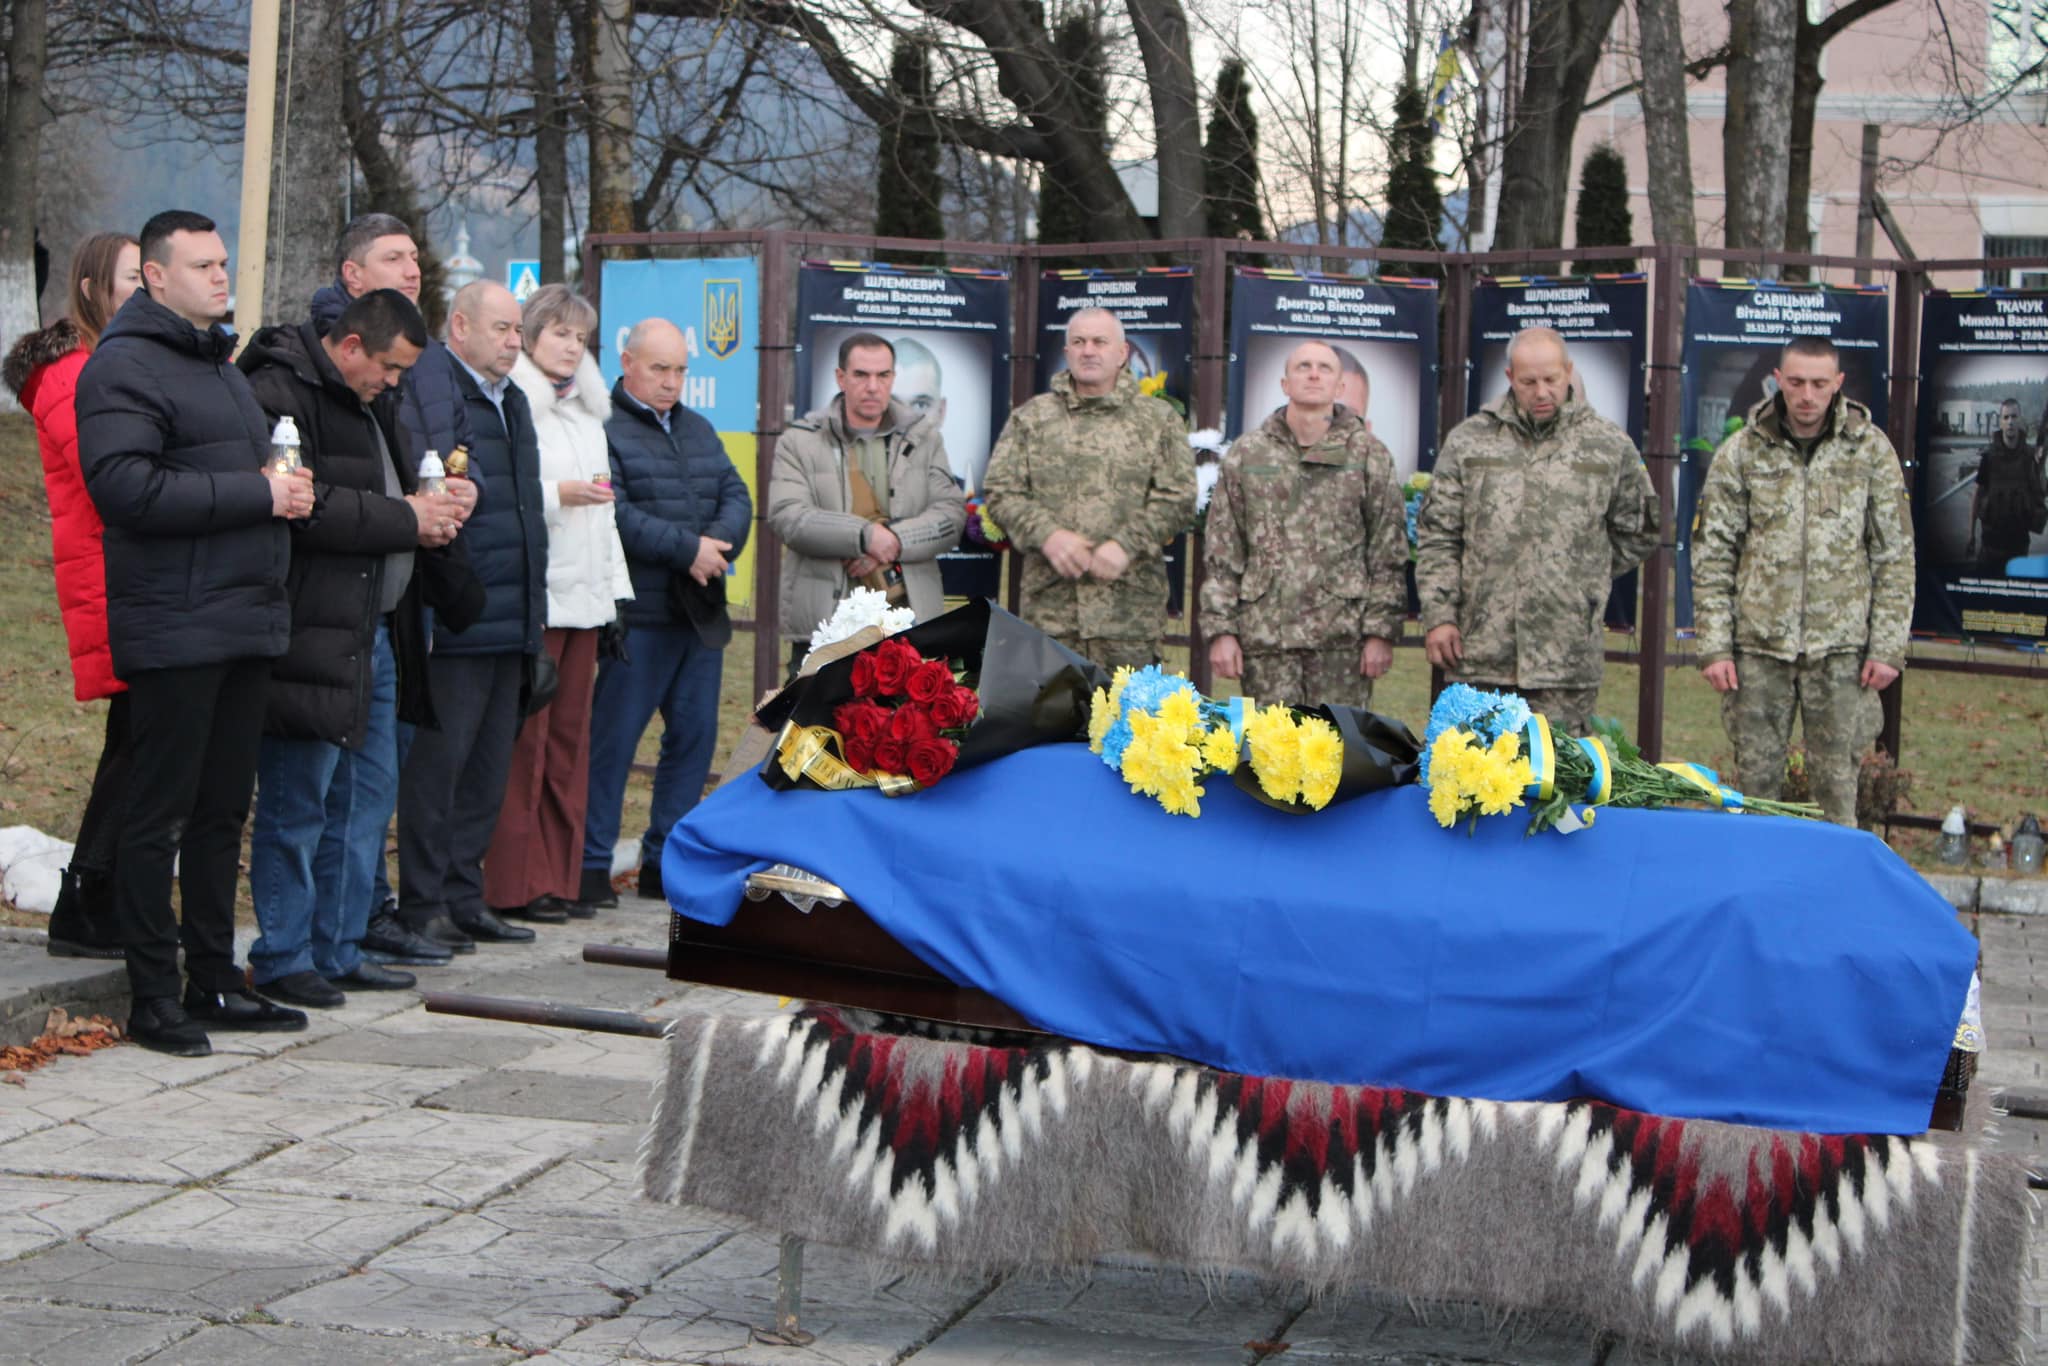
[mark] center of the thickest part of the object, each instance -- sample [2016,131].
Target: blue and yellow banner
[716,304]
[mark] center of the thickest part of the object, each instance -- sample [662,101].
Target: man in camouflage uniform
[1091,481]
[1307,539]
[1536,504]
[1802,577]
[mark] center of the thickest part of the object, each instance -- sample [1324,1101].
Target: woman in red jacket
[42,370]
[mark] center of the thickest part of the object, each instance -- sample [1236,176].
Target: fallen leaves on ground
[61,1035]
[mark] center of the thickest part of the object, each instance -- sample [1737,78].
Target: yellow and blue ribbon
[1708,782]
[1542,758]
[1601,786]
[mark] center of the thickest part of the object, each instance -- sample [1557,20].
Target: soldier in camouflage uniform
[1091,481]
[1802,577]
[1537,503]
[1306,544]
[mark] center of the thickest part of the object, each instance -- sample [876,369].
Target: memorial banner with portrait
[1383,330]
[951,333]
[715,303]
[1735,331]
[1980,496]
[1604,322]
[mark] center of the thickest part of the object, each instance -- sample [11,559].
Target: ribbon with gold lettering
[814,752]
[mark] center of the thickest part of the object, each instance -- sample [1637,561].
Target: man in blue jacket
[683,514]
[174,448]
[377,251]
[453,780]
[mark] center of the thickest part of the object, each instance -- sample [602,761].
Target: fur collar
[37,349]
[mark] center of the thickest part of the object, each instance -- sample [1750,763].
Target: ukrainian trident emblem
[721,317]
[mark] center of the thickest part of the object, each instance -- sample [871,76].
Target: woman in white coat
[535,865]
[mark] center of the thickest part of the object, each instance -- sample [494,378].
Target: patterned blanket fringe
[971,1159]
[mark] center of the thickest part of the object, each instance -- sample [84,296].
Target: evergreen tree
[1230,157]
[1061,215]
[907,189]
[1415,206]
[1603,218]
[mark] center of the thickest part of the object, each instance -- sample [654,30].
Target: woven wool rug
[927,1145]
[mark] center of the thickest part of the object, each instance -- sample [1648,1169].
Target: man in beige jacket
[861,488]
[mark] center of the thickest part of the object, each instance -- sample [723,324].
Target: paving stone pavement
[397,1187]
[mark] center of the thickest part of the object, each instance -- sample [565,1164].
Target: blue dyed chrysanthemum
[1146,689]
[1486,714]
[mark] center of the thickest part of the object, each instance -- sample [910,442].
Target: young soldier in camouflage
[1802,575]
[1091,481]
[1306,542]
[1537,503]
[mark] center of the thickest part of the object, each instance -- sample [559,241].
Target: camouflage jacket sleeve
[1386,549]
[1223,556]
[1632,516]
[1717,551]
[1888,532]
[1170,498]
[1440,538]
[1011,500]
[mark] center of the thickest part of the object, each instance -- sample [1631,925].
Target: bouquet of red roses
[907,715]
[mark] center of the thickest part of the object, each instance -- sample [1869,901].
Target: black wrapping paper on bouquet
[1379,752]
[1033,690]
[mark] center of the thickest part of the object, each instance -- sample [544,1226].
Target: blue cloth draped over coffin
[1750,969]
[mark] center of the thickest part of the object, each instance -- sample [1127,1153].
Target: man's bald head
[1310,378]
[483,328]
[1539,372]
[1531,340]
[653,361]
[643,334]
[1096,351]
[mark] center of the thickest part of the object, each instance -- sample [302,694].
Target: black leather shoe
[388,940]
[650,881]
[597,888]
[544,910]
[441,930]
[368,976]
[486,928]
[161,1024]
[245,1010]
[580,910]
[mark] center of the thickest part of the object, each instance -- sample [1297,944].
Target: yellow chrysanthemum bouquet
[1164,738]
[1486,753]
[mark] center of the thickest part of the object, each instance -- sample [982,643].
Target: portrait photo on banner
[1380,380]
[940,372]
[1988,412]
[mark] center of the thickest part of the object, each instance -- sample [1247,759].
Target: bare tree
[1756,147]
[1665,135]
[20,132]
[610,116]
[311,164]
[1565,38]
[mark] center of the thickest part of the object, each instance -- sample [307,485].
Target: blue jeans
[321,813]
[670,672]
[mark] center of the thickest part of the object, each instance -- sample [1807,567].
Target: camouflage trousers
[1306,677]
[1113,654]
[1570,709]
[1838,715]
